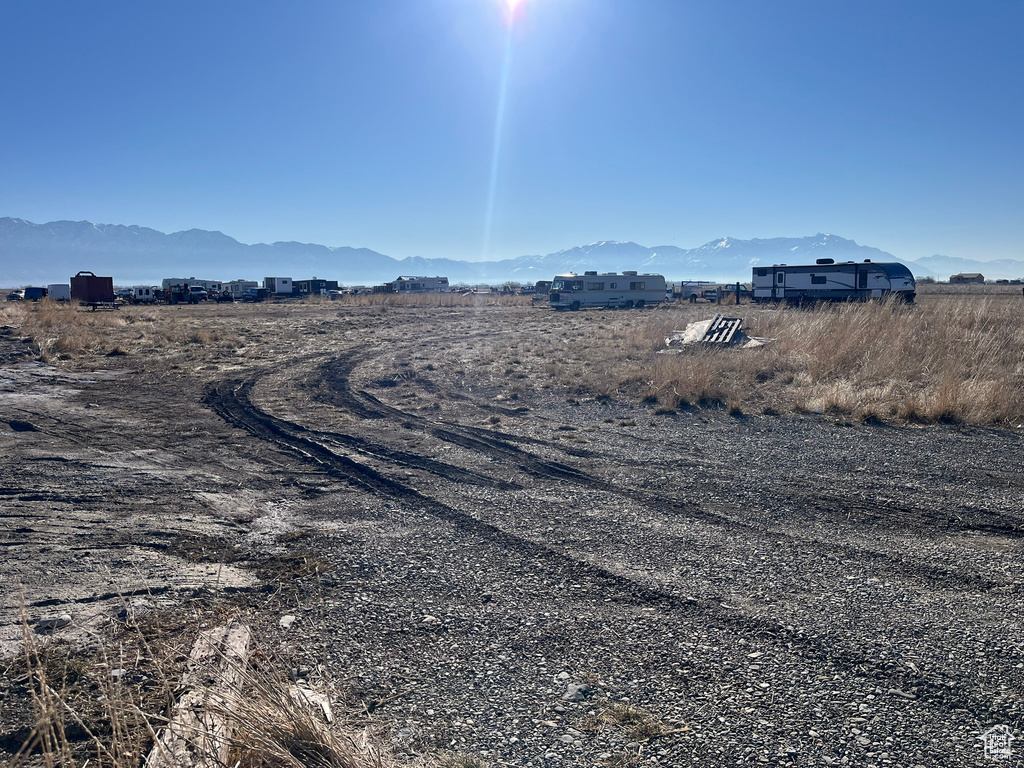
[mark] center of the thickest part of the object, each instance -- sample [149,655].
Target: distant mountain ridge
[34,254]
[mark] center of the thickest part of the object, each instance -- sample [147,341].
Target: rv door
[780,285]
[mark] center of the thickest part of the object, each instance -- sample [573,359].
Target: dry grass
[102,705]
[949,358]
[453,298]
[83,716]
[62,331]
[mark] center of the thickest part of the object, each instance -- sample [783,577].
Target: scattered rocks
[286,622]
[577,692]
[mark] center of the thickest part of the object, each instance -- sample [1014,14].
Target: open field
[807,553]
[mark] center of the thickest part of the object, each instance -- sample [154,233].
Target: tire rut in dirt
[231,401]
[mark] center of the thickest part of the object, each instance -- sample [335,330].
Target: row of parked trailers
[825,280]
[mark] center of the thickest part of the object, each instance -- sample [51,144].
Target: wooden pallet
[722,330]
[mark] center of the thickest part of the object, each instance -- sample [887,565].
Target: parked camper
[210,286]
[238,287]
[59,291]
[825,280]
[413,284]
[610,289]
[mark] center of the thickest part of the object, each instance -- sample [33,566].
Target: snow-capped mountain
[36,254]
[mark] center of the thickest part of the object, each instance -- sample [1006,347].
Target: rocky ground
[521,573]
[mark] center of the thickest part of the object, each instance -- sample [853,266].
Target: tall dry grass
[946,359]
[63,331]
[86,717]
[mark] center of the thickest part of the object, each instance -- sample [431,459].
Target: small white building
[278,285]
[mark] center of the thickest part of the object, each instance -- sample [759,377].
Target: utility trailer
[59,291]
[609,290]
[93,291]
[827,280]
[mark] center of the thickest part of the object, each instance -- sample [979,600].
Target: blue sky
[375,124]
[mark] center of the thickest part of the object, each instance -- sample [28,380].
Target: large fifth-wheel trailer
[827,280]
[610,290]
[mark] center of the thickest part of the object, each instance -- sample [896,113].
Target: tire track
[232,401]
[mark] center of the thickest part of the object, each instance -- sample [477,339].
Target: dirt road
[523,572]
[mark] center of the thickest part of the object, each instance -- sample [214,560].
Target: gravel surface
[544,579]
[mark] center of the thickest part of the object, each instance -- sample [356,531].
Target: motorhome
[609,289]
[416,284]
[828,280]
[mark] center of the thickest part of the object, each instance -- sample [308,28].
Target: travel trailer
[827,280]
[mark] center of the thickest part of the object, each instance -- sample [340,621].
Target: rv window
[595,286]
[612,285]
[637,286]
[780,278]
[818,279]
[762,273]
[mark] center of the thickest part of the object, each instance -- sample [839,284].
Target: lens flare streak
[499,125]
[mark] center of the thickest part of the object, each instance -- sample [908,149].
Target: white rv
[826,280]
[210,286]
[414,284]
[610,290]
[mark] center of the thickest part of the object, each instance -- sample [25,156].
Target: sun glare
[512,6]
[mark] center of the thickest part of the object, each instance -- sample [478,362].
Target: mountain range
[38,254]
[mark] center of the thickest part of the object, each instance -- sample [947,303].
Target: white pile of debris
[727,331]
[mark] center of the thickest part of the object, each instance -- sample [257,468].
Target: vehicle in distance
[198,292]
[610,290]
[826,280]
[256,294]
[16,295]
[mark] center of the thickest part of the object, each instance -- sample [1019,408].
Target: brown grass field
[956,356]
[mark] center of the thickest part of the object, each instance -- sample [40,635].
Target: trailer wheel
[574,306]
[640,304]
[627,305]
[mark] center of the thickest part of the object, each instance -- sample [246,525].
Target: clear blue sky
[375,124]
